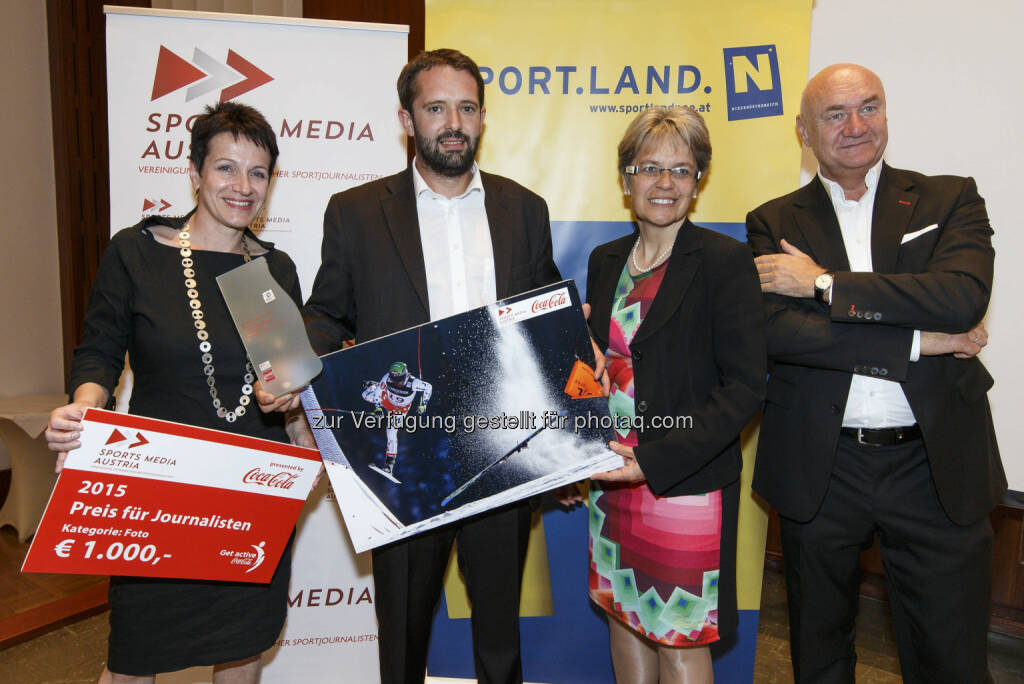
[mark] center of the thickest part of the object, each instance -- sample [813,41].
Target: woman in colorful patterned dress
[678,309]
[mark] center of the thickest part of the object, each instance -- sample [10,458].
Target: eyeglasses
[650,171]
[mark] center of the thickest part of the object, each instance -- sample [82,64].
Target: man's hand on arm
[790,273]
[961,345]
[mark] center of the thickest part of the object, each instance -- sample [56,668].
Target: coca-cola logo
[538,305]
[553,302]
[278,480]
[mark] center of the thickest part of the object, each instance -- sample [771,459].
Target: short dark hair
[238,120]
[429,60]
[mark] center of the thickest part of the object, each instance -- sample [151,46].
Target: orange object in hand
[581,383]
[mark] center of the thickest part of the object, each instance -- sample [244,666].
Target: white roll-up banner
[328,90]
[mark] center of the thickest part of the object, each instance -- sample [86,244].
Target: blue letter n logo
[752,85]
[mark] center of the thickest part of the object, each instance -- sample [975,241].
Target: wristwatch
[823,284]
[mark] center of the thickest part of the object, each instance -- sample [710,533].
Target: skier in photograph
[393,395]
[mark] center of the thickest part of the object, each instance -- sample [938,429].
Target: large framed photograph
[460,415]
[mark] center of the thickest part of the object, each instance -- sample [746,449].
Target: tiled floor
[75,654]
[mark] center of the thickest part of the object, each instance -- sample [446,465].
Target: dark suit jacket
[700,352]
[372,280]
[938,281]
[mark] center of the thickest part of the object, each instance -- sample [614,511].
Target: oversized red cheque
[153,498]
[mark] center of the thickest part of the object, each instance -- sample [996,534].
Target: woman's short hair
[237,119]
[657,125]
[436,58]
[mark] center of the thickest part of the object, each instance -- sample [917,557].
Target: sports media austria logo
[204,74]
[158,206]
[116,437]
[753,88]
[120,452]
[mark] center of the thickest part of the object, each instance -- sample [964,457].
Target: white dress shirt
[457,252]
[872,402]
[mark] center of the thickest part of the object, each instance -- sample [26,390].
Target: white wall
[31,355]
[954,103]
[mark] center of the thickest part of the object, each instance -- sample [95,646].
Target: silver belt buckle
[860,437]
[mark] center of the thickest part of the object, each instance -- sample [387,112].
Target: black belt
[882,436]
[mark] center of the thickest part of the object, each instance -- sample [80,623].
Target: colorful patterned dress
[654,561]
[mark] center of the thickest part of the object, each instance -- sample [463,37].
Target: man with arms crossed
[876,418]
[435,240]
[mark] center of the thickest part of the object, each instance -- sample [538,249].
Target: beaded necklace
[204,336]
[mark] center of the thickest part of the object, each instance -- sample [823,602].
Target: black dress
[138,303]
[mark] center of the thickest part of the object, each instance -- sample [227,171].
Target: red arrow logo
[148,204]
[254,77]
[172,72]
[116,436]
[142,440]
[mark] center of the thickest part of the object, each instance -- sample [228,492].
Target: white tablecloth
[31,463]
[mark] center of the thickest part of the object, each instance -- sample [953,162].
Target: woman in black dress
[189,368]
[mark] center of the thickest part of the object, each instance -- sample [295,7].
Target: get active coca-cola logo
[273,480]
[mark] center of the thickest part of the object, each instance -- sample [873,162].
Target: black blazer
[938,280]
[372,280]
[700,352]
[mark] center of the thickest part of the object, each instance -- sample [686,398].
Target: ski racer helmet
[399,372]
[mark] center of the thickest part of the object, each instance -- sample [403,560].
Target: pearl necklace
[204,337]
[654,264]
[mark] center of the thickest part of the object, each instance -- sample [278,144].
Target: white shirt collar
[420,186]
[839,195]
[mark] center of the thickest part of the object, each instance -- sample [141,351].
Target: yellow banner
[565,78]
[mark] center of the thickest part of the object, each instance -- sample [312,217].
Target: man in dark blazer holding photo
[876,281]
[436,239]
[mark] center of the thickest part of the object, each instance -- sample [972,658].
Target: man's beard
[446,163]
